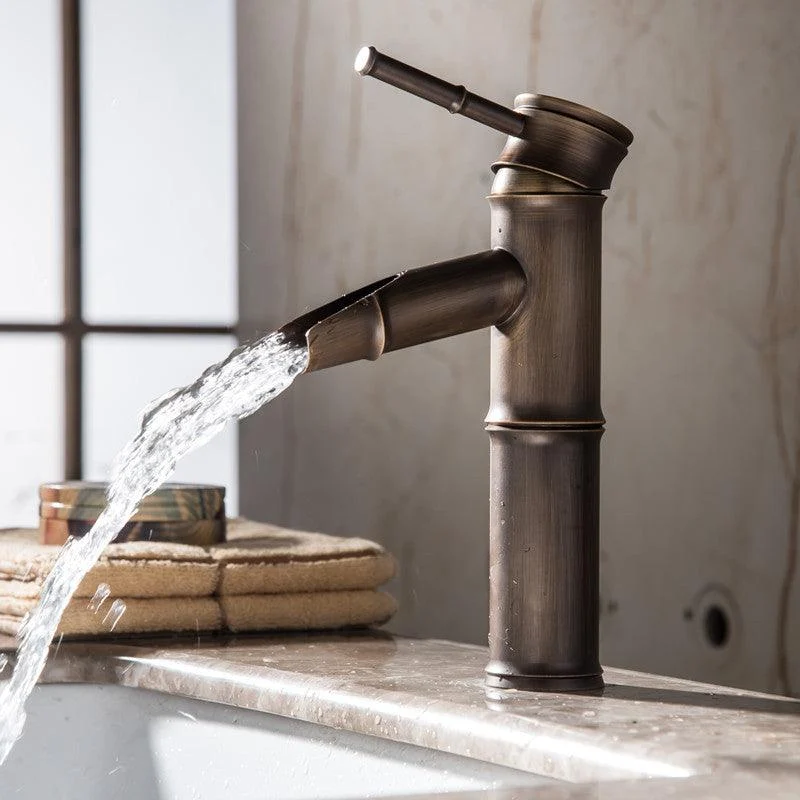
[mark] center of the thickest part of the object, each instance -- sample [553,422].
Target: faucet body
[545,425]
[538,289]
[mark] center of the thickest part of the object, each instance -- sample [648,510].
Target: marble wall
[343,180]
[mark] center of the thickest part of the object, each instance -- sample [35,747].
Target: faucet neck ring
[567,141]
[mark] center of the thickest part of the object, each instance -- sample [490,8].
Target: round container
[175,512]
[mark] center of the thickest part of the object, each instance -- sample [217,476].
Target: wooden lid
[84,500]
[204,532]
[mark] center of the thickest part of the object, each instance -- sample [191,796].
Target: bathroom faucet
[538,289]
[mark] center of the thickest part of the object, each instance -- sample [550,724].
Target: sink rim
[380,685]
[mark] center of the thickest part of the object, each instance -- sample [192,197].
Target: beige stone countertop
[645,736]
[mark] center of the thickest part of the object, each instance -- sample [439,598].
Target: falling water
[114,613]
[172,426]
[99,597]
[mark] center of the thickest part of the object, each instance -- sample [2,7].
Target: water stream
[172,426]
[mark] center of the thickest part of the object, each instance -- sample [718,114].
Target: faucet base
[546,683]
[544,554]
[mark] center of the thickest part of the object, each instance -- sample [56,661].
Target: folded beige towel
[141,615]
[260,558]
[257,558]
[305,611]
[236,614]
[262,578]
[132,569]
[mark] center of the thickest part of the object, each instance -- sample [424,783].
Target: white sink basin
[100,742]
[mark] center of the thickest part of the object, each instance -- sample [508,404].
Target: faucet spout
[412,307]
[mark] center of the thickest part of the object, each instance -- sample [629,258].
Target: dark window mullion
[73,290]
[83,329]
[73,328]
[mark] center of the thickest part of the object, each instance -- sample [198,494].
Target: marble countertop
[645,736]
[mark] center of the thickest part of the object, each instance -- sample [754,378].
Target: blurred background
[201,170]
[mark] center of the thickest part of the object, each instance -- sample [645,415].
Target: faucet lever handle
[456,99]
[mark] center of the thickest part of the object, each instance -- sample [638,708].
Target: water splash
[99,597]
[175,424]
[118,608]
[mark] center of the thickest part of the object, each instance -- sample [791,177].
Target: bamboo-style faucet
[538,289]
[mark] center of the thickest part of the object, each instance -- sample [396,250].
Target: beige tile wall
[343,180]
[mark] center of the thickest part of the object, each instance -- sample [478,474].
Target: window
[117,229]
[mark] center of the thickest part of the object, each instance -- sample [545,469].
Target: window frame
[73,328]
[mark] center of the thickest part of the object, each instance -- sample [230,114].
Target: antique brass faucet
[538,288]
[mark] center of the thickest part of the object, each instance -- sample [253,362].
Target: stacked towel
[262,578]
